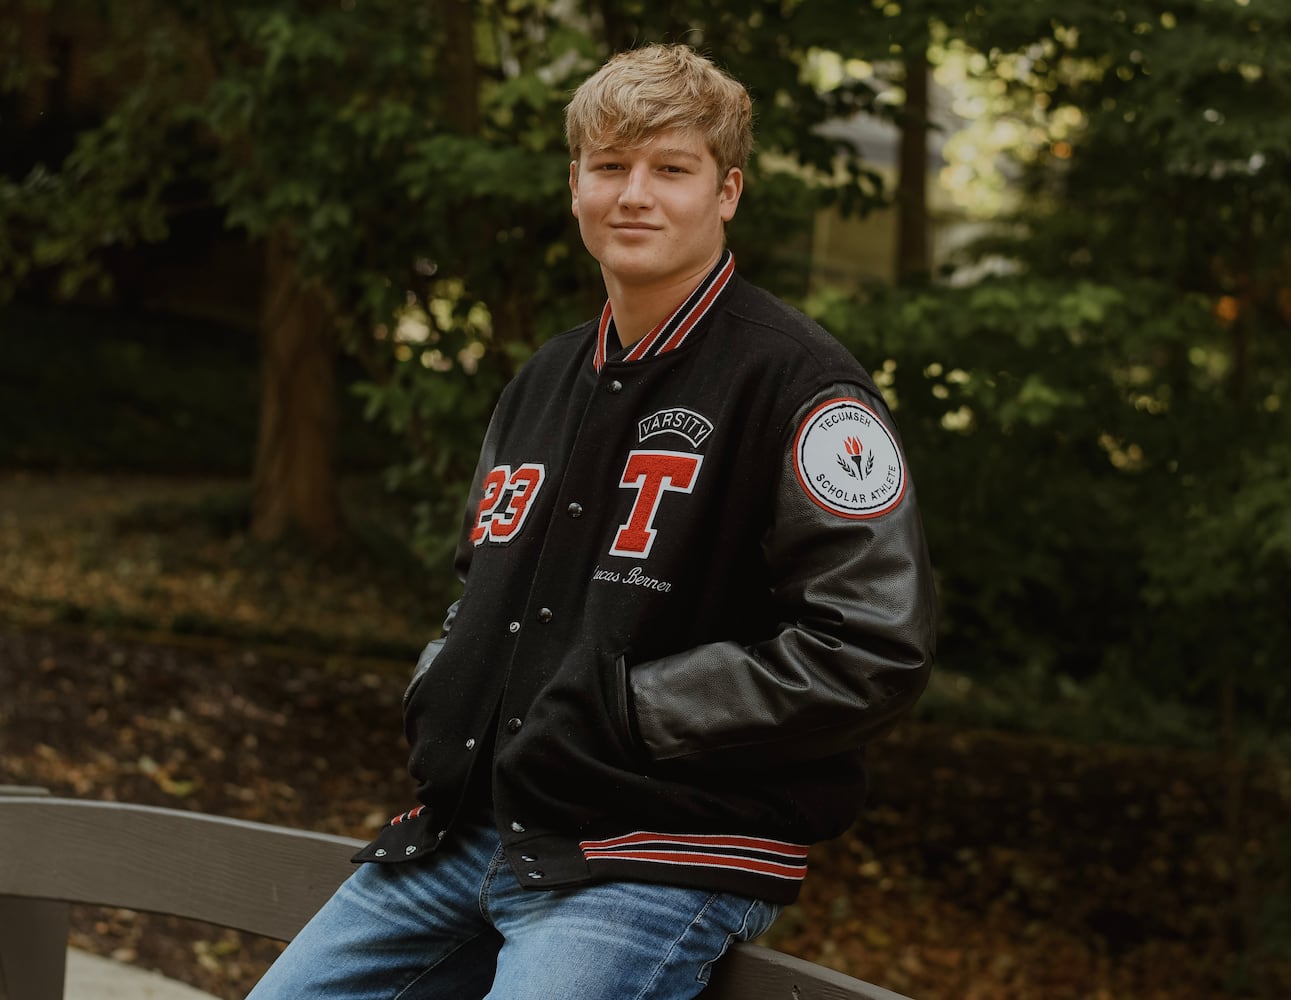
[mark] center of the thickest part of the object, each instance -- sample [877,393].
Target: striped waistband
[753,855]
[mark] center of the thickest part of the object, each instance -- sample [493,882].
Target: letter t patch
[651,474]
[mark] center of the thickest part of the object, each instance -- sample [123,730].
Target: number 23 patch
[847,461]
[508,498]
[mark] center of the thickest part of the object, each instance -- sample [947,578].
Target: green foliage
[1099,438]
[1009,410]
[76,393]
[424,187]
[1104,708]
[1098,434]
[132,394]
[1097,505]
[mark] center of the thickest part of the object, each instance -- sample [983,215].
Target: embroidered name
[634,577]
[694,427]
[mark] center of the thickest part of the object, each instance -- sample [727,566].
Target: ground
[986,865]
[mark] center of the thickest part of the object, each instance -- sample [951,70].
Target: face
[653,215]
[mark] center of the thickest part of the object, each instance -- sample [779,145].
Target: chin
[628,267]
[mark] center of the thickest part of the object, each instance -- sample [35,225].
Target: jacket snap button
[536,873]
[574,510]
[544,615]
[513,725]
[616,386]
[528,858]
[513,628]
[470,744]
[517,826]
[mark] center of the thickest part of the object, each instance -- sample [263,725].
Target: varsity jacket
[696,586]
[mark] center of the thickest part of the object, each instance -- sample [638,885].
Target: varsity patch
[694,427]
[847,460]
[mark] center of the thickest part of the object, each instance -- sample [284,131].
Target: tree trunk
[295,469]
[913,265]
[615,27]
[1246,896]
[461,79]
[459,68]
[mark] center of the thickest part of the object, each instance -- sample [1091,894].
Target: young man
[695,587]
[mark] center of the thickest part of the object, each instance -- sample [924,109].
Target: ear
[728,197]
[573,187]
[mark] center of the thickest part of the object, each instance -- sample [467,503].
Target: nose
[636,191]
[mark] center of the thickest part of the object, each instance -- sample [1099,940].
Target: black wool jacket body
[696,585]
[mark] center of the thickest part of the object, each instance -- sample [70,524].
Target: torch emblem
[860,464]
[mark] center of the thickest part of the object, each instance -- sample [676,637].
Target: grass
[171,555]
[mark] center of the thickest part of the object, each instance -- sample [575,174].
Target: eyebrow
[669,152]
[673,152]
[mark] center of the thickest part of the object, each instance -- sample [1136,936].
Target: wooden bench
[251,877]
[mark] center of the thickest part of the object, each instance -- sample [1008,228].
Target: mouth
[635,226]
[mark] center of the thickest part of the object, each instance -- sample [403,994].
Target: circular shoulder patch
[848,461]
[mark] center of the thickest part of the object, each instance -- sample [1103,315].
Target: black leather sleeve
[463,553]
[431,651]
[488,457]
[855,645]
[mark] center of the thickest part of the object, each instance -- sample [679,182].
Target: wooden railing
[251,877]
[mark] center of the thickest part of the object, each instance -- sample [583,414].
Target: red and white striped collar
[673,331]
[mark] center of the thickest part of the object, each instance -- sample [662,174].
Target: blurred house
[853,251]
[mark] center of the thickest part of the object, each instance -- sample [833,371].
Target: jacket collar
[673,331]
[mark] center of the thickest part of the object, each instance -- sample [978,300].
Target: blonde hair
[645,91]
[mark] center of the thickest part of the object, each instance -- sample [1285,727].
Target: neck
[638,309]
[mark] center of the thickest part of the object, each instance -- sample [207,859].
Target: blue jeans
[458,926]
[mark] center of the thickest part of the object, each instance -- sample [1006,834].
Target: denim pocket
[758,917]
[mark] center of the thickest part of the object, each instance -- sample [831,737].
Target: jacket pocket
[622,715]
[429,653]
[423,665]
